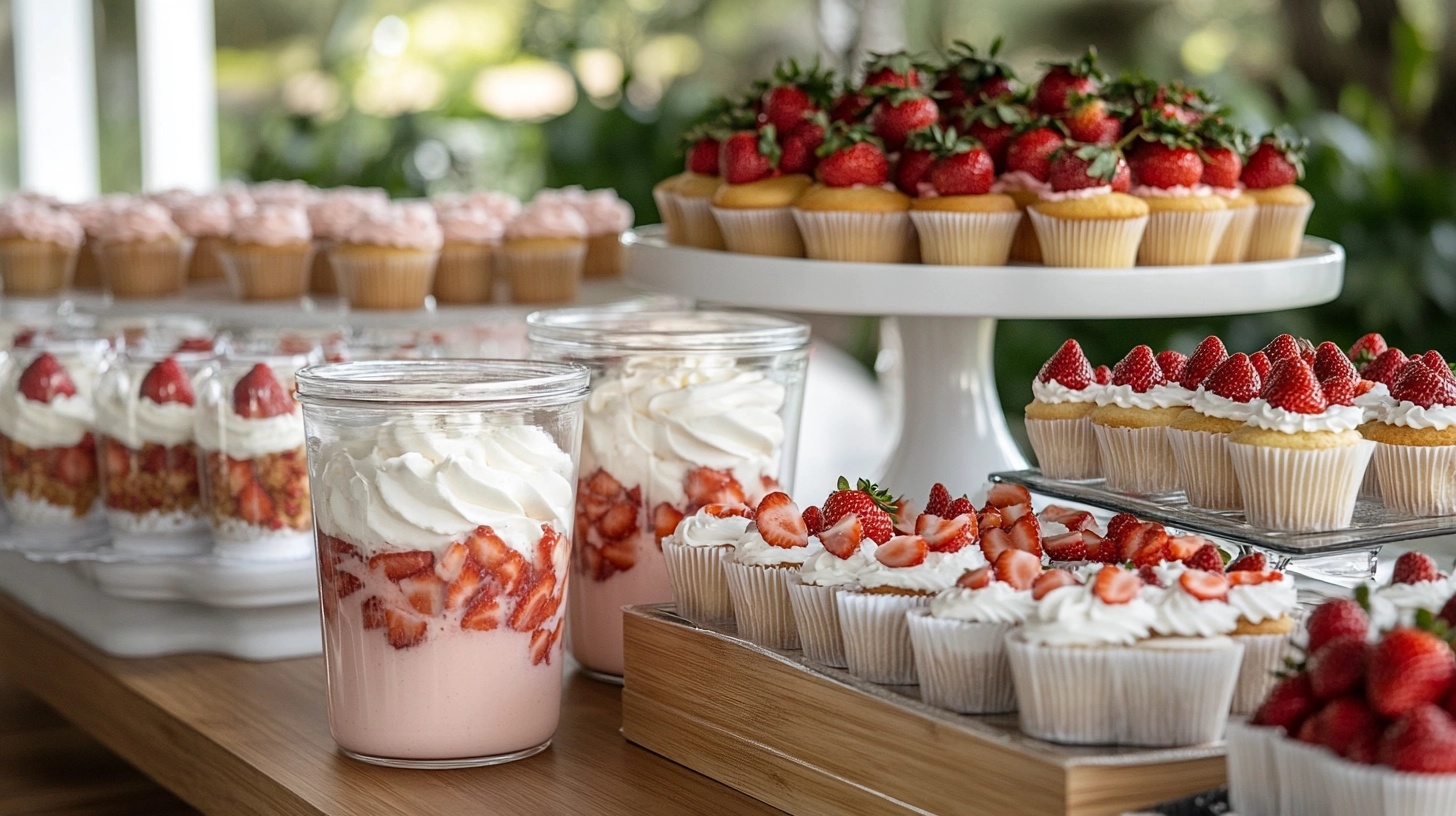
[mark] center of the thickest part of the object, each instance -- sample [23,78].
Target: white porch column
[177,87]
[55,90]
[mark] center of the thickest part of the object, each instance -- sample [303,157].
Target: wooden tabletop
[230,736]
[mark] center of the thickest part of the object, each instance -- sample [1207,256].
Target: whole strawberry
[900,113]
[1209,355]
[970,79]
[702,153]
[1367,348]
[994,125]
[913,168]
[1078,167]
[1334,618]
[1408,668]
[962,167]
[1069,366]
[749,156]
[1293,387]
[1093,121]
[1277,161]
[1423,741]
[800,148]
[795,95]
[852,156]
[1062,80]
[1140,370]
[1418,383]
[1031,151]
[868,502]
[1288,704]
[1385,368]
[1156,164]
[895,70]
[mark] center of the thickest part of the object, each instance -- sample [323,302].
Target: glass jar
[146,415]
[47,445]
[250,444]
[687,409]
[443,494]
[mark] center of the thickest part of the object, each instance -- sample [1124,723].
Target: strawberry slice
[619,522]
[621,555]
[1050,580]
[939,502]
[255,506]
[483,614]
[1067,517]
[1119,524]
[1025,535]
[960,506]
[1245,576]
[346,584]
[976,579]
[373,613]
[946,535]
[990,518]
[1253,562]
[452,561]
[1115,585]
[1070,546]
[536,605]
[705,486]
[425,592]
[167,382]
[1015,512]
[1182,547]
[399,565]
[116,459]
[723,511]
[76,466]
[45,379]
[780,522]
[1006,494]
[844,538]
[259,395]
[665,519]
[1101,550]
[1018,568]
[994,542]
[404,629]
[541,642]
[1205,586]
[814,520]
[903,551]
[602,483]
[1147,543]
[506,566]
[462,590]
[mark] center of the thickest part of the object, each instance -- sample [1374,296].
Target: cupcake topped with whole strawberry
[959,219]
[1221,403]
[1270,178]
[1058,422]
[1132,415]
[1222,152]
[853,213]
[1378,368]
[1186,220]
[1087,219]
[1416,583]
[1416,429]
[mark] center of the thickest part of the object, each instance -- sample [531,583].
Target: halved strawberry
[1025,534]
[903,551]
[946,535]
[373,613]
[939,502]
[425,592]
[536,605]
[256,507]
[978,578]
[1115,585]
[1205,586]
[401,564]
[1067,517]
[844,538]
[45,379]
[1245,576]
[542,641]
[1066,547]
[1018,568]
[1253,562]
[76,465]
[1050,580]
[961,506]
[404,629]
[730,511]
[1014,513]
[814,520]
[617,556]
[665,519]
[259,395]
[1147,543]
[780,522]
[994,541]
[483,614]
[1005,494]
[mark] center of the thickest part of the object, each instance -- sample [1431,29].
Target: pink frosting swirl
[32,197]
[408,226]
[605,213]
[548,218]
[1177,191]
[286,192]
[502,205]
[92,214]
[333,215]
[1076,195]
[204,216]
[37,222]
[171,199]
[273,225]
[471,225]
[139,221]
[1018,180]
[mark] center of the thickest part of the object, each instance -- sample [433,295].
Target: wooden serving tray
[810,739]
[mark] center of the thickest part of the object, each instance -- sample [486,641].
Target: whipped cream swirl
[134,421]
[1054,392]
[1269,601]
[1171,395]
[1212,405]
[1075,616]
[826,569]
[1335,418]
[1409,415]
[996,602]
[1396,604]
[703,529]
[939,571]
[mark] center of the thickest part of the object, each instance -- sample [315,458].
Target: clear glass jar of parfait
[250,446]
[443,495]
[146,417]
[687,409]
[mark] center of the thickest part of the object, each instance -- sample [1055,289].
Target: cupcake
[685,200]
[1084,221]
[1223,161]
[845,553]
[853,213]
[284,193]
[1416,583]
[386,260]
[693,555]
[959,219]
[1058,419]
[905,574]
[1299,458]
[759,568]
[1265,600]
[752,206]
[1131,420]
[1186,221]
[502,205]
[38,247]
[1269,178]
[267,255]
[141,251]
[607,216]
[207,220]
[1415,460]
[959,642]
[1028,168]
[91,215]
[543,253]
[464,272]
[330,218]
[1199,436]
[1094,642]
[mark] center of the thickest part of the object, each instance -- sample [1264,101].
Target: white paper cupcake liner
[1263,655]
[817,616]
[699,586]
[1370,485]
[768,231]
[1417,479]
[850,235]
[962,665]
[672,218]
[1235,242]
[1065,448]
[1253,780]
[1304,783]
[1362,790]
[1088,242]
[700,226]
[1300,490]
[1205,470]
[965,238]
[1137,460]
[1278,232]
[761,603]
[1156,695]
[876,638]
[1182,238]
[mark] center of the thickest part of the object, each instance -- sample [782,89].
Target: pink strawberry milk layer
[443,570]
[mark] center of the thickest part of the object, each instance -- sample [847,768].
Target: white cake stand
[953,429]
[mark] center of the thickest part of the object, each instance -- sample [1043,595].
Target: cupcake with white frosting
[1415,458]
[142,252]
[38,248]
[693,555]
[268,254]
[1221,404]
[1132,416]
[386,259]
[464,273]
[544,252]
[1266,601]
[844,555]
[1415,584]
[760,566]
[1058,419]
[207,220]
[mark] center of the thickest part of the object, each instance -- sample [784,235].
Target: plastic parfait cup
[687,409]
[442,495]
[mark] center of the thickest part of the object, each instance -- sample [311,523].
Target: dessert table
[230,736]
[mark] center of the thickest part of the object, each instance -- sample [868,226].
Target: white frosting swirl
[219,428]
[1268,601]
[1396,604]
[1074,616]
[60,423]
[1170,395]
[1055,392]
[1180,614]
[1375,401]
[827,569]
[703,529]
[1409,415]
[996,602]
[134,420]
[424,481]
[752,550]
[939,571]
[1335,418]
[1212,405]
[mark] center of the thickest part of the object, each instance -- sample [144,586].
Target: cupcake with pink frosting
[330,217]
[38,247]
[267,255]
[464,273]
[543,252]
[142,252]
[283,192]
[91,215]
[207,220]
[607,216]
[502,205]
[386,260]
